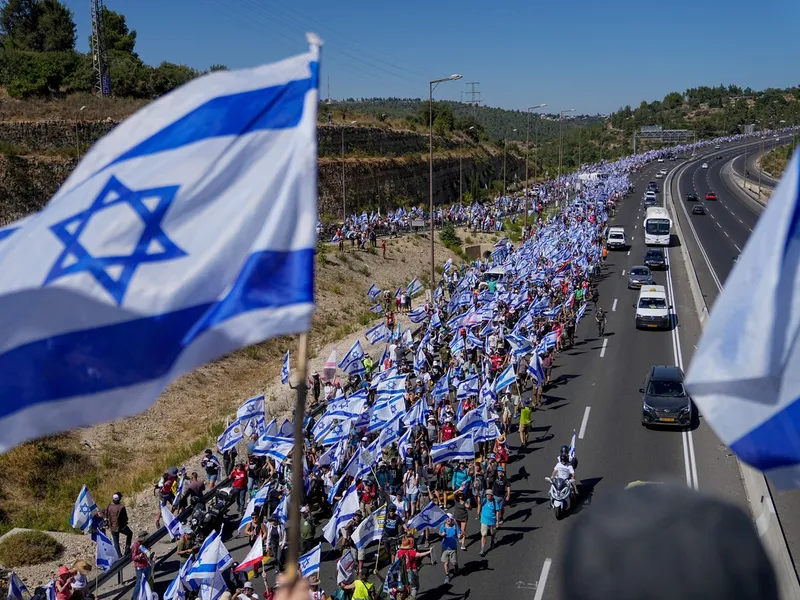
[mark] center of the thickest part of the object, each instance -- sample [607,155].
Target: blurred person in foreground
[664,542]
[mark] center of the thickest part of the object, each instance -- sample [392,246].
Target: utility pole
[101,78]
[474,96]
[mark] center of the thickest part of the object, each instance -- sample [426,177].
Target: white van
[616,238]
[494,274]
[652,308]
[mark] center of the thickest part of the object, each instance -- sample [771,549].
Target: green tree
[39,26]
[56,27]
[19,20]
[213,68]
[167,76]
[118,36]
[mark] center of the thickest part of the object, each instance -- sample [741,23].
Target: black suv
[692,198]
[664,398]
[652,186]
[655,259]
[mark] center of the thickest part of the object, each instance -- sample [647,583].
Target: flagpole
[297,460]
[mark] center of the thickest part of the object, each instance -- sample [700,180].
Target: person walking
[141,557]
[117,516]
[449,532]
[489,512]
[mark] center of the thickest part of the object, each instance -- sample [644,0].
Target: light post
[431,87]
[527,151]
[505,152]
[561,138]
[344,194]
[77,135]
[460,177]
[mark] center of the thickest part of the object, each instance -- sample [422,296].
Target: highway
[720,236]
[753,153]
[596,393]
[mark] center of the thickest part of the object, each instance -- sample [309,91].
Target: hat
[248,585]
[313,579]
[407,543]
[82,567]
[489,491]
[304,509]
[622,540]
[364,439]
[500,468]
[116,497]
[143,535]
[502,439]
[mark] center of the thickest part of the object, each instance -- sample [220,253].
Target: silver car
[638,277]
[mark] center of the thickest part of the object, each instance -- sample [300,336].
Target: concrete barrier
[759,497]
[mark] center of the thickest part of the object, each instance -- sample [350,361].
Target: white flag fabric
[84,508]
[745,375]
[344,511]
[212,557]
[254,557]
[171,522]
[310,561]
[429,517]
[370,530]
[106,553]
[232,435]
[187,232]
[459,448]
[254,407]
[285,369]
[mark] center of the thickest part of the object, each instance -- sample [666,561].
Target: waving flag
[459,448]
[474,419]
[16,588]
[377,309]
[415,287]
[351,363]
[282,510]
[506,378]
[344,511]
[448,264]
[254,407]
[213,557]
[209,247]
[373,292]
[254,556]
[581,312]
[230,437]
[467,388]
[418,315]
[417,414]
[329,370]
[171,522]
[487,393]
[377,333]
[745,375]
[83,510]
[338,433]
[573,445]
[430,517]
[370,530]
[535,369]
[441,388]
[389,434]
[310,561]
[285,369]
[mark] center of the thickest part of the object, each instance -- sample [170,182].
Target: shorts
[523,427]
[412,497]
[211,477]
[450,556]
[361,553]
[487,530]
[500,503]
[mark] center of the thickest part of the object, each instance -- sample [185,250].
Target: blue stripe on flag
[132,352]
[276,107]
[774,443]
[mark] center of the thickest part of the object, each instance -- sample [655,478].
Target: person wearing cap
[246,592]
[489,511]
[316,592]
[449,532]
[308,529]
[412,559]
[80,570]
[141,558]
[393,528]
[63,583]
[117,517]
[212,467]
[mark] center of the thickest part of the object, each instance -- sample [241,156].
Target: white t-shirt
[393,352]
[563,471]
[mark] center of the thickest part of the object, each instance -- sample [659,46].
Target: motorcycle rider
[564,470]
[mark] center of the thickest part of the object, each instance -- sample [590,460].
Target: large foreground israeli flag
[184,234]
[745,376]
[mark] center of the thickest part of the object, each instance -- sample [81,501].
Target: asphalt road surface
[722,234]
[595,393]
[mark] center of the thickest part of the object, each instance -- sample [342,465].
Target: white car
[660,160]
[663,171]
[704,166]
[717,147]
[659,175]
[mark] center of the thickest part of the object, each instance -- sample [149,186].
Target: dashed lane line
[603,349]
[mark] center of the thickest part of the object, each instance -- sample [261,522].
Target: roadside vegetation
[774,162]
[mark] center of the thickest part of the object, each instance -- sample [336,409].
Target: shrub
[322,253]
[28,548]
[449,237]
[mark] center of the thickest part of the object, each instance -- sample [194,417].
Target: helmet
[564,451]
[564,459]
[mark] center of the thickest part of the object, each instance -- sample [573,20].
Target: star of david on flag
[187,232]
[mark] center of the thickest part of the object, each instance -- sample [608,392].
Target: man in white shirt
[564,470]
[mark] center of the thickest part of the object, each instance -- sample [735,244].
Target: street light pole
[344,193]
[527,151]
[77,135]
[432,85]
[461,177]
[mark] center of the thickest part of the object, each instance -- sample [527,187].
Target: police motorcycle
[562,494]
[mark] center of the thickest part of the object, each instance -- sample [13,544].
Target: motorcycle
[560,496]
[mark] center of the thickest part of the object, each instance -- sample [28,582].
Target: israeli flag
[254,407]
[212,557]
[285,369]
[347,408]
[745,375]
[185,233]
[417,414]
[84,508]
[535,369]
[377,333]
[486,432]
[430,517]
[474,419]
[393,408]
[211,589]
[146,592]
[370,530]
[16,588]
[573,444]
[344,511]
[106,553]
[171,522]
[377,309]
[389,434]
[459,448]
[230,437]
[441,388]
[487,393]
[581,312]
[282,510]
[310,561]
[391,387]
[373,292]
[50,590]
[418,315]
[415,287]
[338,433]
[435,320]
[279,452]
[448,264]
[467,388]
[287,429]
[351,363]
[403,444]
[506,378]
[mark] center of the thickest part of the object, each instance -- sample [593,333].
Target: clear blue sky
[592,55]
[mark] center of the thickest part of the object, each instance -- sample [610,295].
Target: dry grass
[28,548]
[68,109]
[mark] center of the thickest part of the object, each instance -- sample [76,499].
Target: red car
[711,196]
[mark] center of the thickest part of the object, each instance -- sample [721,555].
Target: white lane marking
[603,349]
[737,247]
[584,423]
[635,226]
[726,234]
[740,221]
[623,272]
[751,231]
[629,252]
[614,306]
[542,579]
[718,225]
[632,238]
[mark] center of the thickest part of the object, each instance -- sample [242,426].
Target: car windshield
[615,236]
[654,254]
[652,303]
[657,226]
[671,389]
[640,271]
